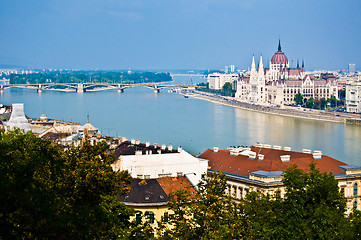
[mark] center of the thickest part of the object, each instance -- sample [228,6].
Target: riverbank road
[289,111]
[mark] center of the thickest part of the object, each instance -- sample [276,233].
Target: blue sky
[178,34]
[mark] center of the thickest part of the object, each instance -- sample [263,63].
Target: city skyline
[177,35]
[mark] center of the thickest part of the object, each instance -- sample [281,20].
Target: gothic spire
[298,64]
[260,64]
[303,63]
[253,65]
[279,45]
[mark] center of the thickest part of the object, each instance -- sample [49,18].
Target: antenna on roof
[87,117]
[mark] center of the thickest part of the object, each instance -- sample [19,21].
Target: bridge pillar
[120,89]
[156,90]
[1,89]
[80,88]
[39,89]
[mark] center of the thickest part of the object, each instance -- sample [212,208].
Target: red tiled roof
[172,184]
[243,165]
[320,82]
[294,71]
[293,82]
[311,77]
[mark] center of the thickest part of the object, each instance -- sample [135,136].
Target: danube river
[169,118]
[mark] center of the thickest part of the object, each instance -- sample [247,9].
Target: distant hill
[10,66]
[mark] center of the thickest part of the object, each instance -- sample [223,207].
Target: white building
[151,161]
[257,88]
[217,80]
[353,97]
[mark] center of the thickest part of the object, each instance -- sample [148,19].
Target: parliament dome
[279,57]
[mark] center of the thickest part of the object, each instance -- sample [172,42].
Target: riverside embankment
[288,111]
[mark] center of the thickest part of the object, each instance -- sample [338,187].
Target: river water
[169,118]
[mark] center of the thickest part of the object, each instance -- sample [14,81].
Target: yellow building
[259,168]
[149,197]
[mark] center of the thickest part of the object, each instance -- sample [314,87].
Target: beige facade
[349,185]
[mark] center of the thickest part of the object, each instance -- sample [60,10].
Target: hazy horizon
[186,34]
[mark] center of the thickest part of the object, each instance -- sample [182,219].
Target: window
[166,217]
[150,217]
[278,194]
[355,189]
[354,206]
[138,217]
[342,191]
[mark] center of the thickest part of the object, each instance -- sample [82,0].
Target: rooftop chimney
[170,147]
[306,151]
[260,157]
[132,141]
[285,158]
[288,149]
[277,147]
[215,149]
[147,144]
[137,142]
[252,155]
[317,154]
[179,149]
[163,146]
[267,146]
[233,152]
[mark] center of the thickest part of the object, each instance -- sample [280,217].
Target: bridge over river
[91,87]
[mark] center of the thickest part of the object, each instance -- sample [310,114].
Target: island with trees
[90,77]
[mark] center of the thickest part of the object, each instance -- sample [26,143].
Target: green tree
[210,215]
[310,102]
[354,227]
[48,193]
[299,99]
[227,89]
[312,208]
[323,103]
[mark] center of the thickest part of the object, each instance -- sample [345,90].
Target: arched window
[355,189]
[342,191]
[138,217]
[354,206]
[278,194]
[166,217]
[150,217]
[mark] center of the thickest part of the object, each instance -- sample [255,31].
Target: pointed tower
[253,65]
[253,75]
[261,75]
[303,65]
[298,64]
[279,45]
[261,62]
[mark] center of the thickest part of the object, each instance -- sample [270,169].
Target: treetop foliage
[48,193]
